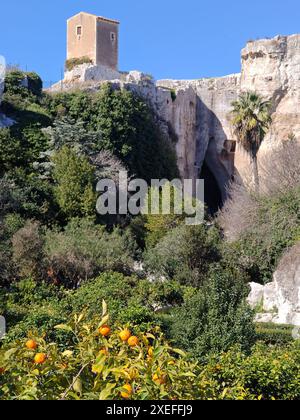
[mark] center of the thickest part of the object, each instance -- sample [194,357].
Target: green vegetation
[251,119]
[275,335]
[73,62]
[277,228]
[126,126]
[129,307]
[74,180]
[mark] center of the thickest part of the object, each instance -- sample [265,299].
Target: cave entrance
[212,193]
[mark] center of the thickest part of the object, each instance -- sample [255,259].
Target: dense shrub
[29,196]
[10,223]
[272,334]
[34,305]
[74,188]
[262,226]
[185,254]
[83,250]
[9,151]
[35,84]
[266,374]
[164,209]
[277,228]
[116,288]
[28,253]
[216,317]
[21,147]
[97,364]
[127,126]
[22,83]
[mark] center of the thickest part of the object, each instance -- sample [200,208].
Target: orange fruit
[104,351]
[159,379]
[133,341]
[31,345]
[129,391]
[125,335]
[40,358]
[104,330]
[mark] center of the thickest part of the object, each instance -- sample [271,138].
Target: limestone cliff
[211,138]
[272,68]
[196,111]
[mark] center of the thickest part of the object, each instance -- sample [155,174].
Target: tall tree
[251,119]
[74,179]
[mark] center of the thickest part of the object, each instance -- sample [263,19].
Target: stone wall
[107,52]
[84,45]
[97,39]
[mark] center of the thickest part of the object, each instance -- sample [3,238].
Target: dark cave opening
[212,193]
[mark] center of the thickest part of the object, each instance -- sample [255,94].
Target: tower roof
[100,18]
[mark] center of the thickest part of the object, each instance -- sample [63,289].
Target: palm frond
[251,119]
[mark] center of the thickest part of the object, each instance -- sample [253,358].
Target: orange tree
[105,362]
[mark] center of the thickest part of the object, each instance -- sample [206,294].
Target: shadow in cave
[212,193]
[214,158]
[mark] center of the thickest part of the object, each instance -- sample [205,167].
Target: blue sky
[167,38]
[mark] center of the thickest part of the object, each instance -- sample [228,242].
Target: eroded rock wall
[197,111]
[212,137]
[272,68]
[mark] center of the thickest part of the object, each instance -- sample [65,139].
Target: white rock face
[211,138]
[89,72]
[197,111]
[272,68]
[280,300]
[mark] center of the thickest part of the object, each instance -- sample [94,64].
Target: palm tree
[251,119]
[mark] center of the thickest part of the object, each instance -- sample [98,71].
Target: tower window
[113,37]
[79,30]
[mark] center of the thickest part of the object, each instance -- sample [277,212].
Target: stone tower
[94,37]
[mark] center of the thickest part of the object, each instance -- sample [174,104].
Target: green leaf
[180,352]
[63,327]
[77,386]
[9,353]
[106,393]
[103,321]
[104,308]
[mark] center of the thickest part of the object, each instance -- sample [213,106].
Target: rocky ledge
[279,301]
